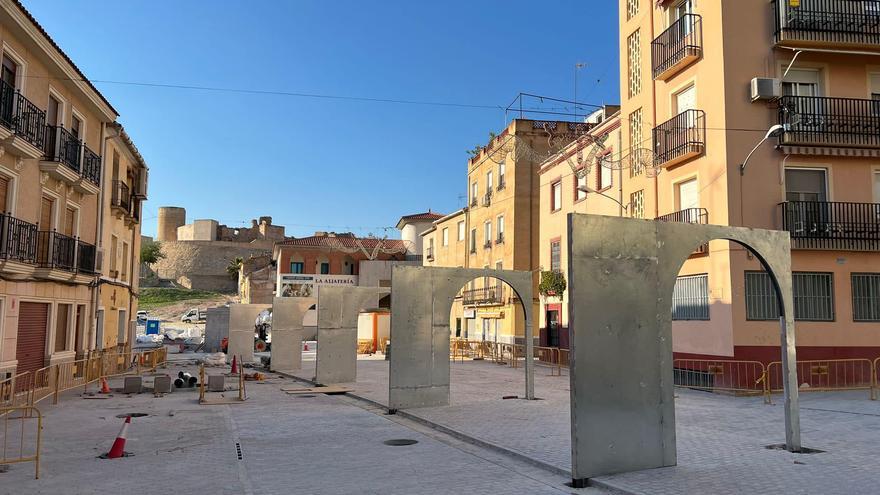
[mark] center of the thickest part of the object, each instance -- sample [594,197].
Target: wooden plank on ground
[332,389]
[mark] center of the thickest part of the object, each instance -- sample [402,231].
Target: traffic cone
[105,388]
[118,448]
[234,364]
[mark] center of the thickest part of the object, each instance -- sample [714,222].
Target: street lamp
[774,131]
[588,189]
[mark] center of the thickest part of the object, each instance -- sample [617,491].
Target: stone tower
[170,217]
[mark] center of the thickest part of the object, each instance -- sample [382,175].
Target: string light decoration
[352,245]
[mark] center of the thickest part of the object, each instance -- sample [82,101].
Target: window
[473,240]
[805,184]
[489,182]
[124,261]
[296,267]
[634,63]
[604,175]
[47,212]
[5,194]
[690,298]
[685,100]
[632,8]
[474,192]
[866,296]
[69,227]
[555,253]
[687,195]
[114,251]
[325,268]
[580,180]
[501,170]
[9,72]
[445,236]
[431,248]
[461,231]
[62,323]
[813,296]
[801,82]
[556,196]
[637,204]
[76,127]
[500,222]
[877,186]
[680,10]
[635,142]
[487,231]
[121,327]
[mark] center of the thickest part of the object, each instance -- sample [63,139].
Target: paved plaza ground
[289,445]
[721,440]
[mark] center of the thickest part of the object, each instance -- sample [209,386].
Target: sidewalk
[721,440]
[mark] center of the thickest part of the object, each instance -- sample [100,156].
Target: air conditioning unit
[766,89]
[141,187]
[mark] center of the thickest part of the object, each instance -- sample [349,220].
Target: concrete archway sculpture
[421,300]
[338,309]
[621,277]
[287,332]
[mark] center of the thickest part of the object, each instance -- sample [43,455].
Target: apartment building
[499,227]
[702,83]
[120,226]
[54,126]
[584,177]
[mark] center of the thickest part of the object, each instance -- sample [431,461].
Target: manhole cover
[133,415]
[399,442]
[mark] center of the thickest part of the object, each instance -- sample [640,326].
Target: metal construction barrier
[731,376]
[827,375]
[20,437]
[548,356]
[31,387]
[876,379]
[204,400]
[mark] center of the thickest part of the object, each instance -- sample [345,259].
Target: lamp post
[774,131]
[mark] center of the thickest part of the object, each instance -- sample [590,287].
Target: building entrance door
[552,318]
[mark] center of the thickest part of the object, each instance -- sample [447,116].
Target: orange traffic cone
[118,448]
[105,388]
[234,364]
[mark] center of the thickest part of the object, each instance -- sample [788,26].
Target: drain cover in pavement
[399,442]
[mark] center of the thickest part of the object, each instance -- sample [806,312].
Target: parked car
[194,315]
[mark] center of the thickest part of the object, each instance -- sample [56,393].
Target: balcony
[820,125]
[474,203]
[841,24]
[500,238]
[689,215]
[680,138]
[56,251]
[677,47]
[501,183]
[832,225]
[429,254]
[91,171]
[120,199]
[18,245]
[487,244]
[86,256]
[23,123]
[487,198]
[484,296]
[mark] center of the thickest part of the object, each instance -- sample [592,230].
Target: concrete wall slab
[338,309]
[241,330]
[287,332]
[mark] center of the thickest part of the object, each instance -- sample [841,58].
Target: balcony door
[53,119]
[806,190]
[8,76]
[877,186]
[47,205]
[4,194]
[688,199]
[69,227]
[678,13]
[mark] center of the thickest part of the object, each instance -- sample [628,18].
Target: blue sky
[319,164]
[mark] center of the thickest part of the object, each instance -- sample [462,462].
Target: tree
[151,252]
[234,266]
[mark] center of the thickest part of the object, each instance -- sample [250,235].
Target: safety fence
[728,376]
[31,387]
[20,436]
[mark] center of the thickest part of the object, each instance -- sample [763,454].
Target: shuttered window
[62,323]
[813,296]
[4,194]
[866,296]
[30,348]
[690,299]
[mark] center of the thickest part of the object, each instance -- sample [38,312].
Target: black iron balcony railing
[91,166]
[487,198]
[134,210]
[473,202]
[56,250]
[63,147]
[689,215]
[492,295]
[680,137]
[501,183]
[681,42]
[18,239]
[849,22]
[832,225]
[86,254]
[429,254]
[487,244]
[834,122]
[120,196]
[21,115]
[500,238]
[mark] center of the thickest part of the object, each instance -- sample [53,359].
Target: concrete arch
[338,308]
[287,329]
[621,277]
[420,303]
